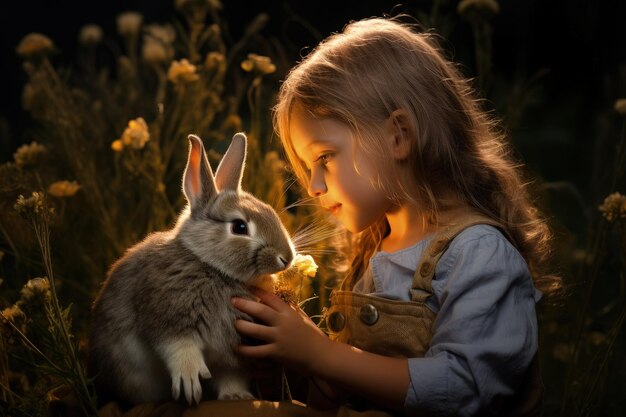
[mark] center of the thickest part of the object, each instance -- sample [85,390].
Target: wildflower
[620,106]
[90,35]
[259,63]
[32,204]
[34,45]
[14,314]
[233,121]
[154,51]
[467,8]
[162,33]
[182,71]
[29,154]
[160,187]
[305,265]
[128,23]
[213,4]
[117,145]
[135,135]
[614,207]
[63,188]
[35,288]
[214,61]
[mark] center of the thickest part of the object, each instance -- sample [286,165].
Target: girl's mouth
[333,209]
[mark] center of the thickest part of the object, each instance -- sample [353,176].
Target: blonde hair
[377,66]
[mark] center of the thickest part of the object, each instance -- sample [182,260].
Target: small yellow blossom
[63,188]
[620,106]
[29,154]
[305,264]
[233,121]
[154,51]
[614,207]
[128,23]
[213,4]
[182,71]
[162,33]
[160,187]
[485,7]
[34,203]
[135,135]
[36,287]
[117,145]
[214,61]
[258,63]
[34,45]
[90,35]
[14,314]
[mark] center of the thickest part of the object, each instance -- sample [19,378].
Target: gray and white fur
[163,319]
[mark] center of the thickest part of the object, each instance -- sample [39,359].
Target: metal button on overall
[368,314]
[336,321]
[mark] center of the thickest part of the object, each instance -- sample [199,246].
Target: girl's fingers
[258,331]
[270,299]
[254,309]
[261,351]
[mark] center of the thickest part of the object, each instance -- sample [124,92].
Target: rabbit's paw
[233,387]
[186,364]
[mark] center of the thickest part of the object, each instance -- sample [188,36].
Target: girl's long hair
[376,67]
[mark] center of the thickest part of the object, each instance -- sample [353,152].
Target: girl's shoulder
[479,248]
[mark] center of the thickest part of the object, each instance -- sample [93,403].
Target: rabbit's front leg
[185,363]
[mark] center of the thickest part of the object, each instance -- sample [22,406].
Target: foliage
[105,157]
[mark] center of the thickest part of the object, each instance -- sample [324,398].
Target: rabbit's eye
[239,227]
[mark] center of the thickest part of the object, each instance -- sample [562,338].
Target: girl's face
[326,147]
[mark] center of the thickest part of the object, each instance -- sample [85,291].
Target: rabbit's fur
[163,319]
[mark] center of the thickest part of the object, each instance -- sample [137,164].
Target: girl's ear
[198,182]
[230,170]
[401,132]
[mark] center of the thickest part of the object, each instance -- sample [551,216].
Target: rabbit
[163,319]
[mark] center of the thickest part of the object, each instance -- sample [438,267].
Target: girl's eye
[325,158]
[239,227]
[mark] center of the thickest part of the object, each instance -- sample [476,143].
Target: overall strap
[422,288]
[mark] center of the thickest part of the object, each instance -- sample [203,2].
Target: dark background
[578,45]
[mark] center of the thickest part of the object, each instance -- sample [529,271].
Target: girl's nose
[317,185]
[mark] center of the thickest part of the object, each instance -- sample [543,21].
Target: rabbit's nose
[282,261]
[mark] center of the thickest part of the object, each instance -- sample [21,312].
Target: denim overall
[405,328]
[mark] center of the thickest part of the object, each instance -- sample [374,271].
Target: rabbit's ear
[198,181]
[230,170]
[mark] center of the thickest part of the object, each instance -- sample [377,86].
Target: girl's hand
[290,335]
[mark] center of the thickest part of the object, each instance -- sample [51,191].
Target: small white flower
[128,23]
[90,35]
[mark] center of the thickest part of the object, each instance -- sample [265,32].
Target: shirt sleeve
[485,333]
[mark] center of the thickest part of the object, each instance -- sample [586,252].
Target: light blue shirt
[485,333]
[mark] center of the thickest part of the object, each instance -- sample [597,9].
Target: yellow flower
[117,145]
[14,314]
[614,207]
[135,135]
[63,188]
[620,106]
[33,45]
[90,35]
[485,7]
[213,4]
[259,63]
[34,288]
[29,154]
[214,60]
[33,204]
[182,71]
[305,264]
[162,33]
[154,51]
[128,23]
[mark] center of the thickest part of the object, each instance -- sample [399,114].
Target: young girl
[437,313]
